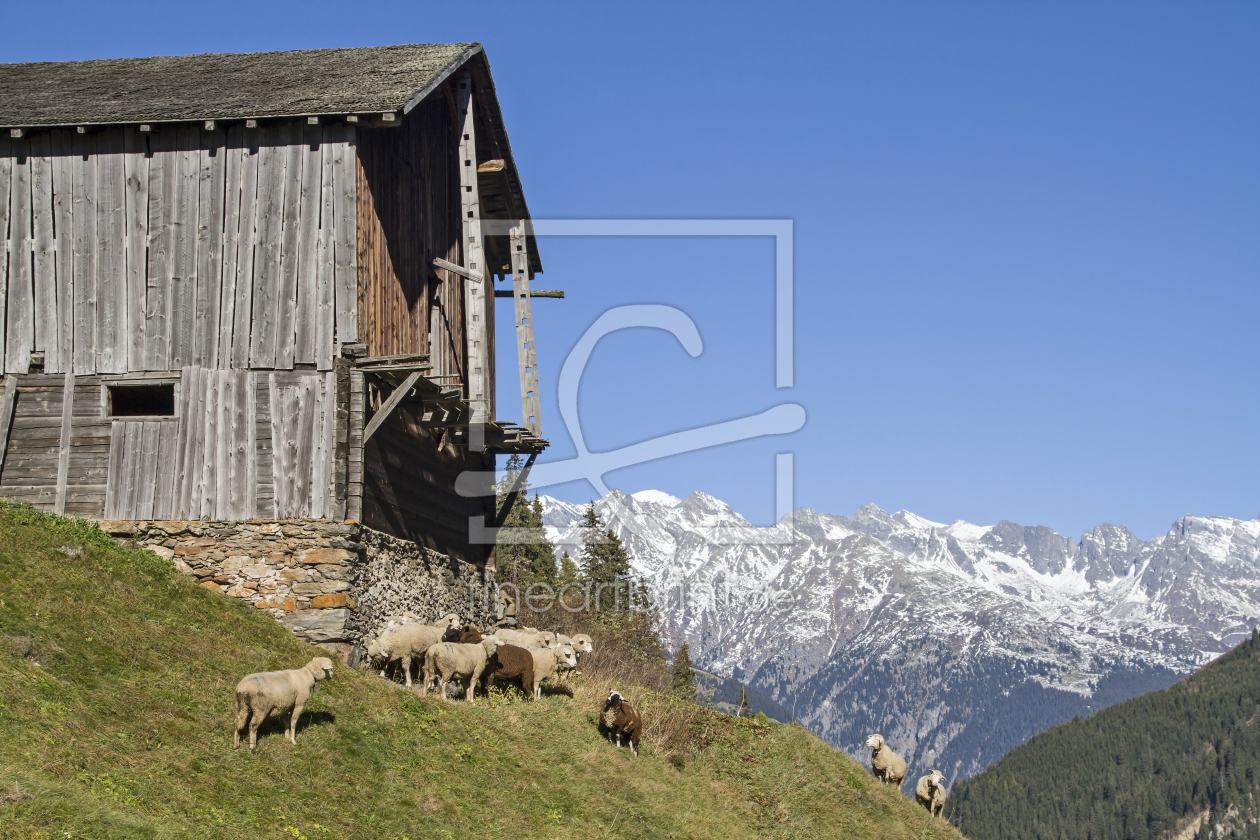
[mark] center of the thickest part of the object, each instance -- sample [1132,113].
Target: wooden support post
[531,417]
[6,415]
[475,298]
[390,404]
[63,453]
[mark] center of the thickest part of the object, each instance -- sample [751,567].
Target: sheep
[618,718]
[930,792]
[454,661]
[405,642]
[888,767]
[582,643]
[546,663]
[541,639]
[273,693]
[514,664]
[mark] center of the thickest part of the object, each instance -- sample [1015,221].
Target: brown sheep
[620,719]
[469,635]
[512,664]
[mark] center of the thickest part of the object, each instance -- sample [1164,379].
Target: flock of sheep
[890,769]
[450,653]
[447,653]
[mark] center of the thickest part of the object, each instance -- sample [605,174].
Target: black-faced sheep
[464,663]
[619,719]
[511,664]
[888,767]
[930,792]
[275,693]
[405,642]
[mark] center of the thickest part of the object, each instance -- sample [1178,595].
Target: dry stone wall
[332,583]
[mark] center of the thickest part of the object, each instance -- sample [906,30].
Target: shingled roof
[225,86]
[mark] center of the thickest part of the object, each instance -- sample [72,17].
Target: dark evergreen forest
[1139,770]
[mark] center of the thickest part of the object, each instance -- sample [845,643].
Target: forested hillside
[1183,761]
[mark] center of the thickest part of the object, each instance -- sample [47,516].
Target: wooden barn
[255,287]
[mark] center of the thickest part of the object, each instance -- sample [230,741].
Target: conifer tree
[683,682]
[605,565]
[528,561]
[568,569]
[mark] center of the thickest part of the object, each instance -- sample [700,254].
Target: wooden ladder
[530,416]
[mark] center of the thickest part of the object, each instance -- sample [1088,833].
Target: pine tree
[742,709]
[568,569]
[683,682]
[605,565]
[532,560]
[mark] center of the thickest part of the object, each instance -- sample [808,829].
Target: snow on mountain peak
[915,521]
[655,497]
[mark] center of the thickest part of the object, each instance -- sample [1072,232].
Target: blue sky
[1027,236]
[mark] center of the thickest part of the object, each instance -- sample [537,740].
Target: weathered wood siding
[151,251]
[408,191]
[242,445]
[40,429]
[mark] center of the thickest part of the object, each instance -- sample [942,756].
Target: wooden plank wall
[302,412]
[53,454]
[132,251]
[405,305]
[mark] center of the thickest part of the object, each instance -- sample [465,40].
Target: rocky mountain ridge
[957,641]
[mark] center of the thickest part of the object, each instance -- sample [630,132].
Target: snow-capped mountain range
[956,642]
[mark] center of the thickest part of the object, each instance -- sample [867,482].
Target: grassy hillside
[1182,761]
[116,689]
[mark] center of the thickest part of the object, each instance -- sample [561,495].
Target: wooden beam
[63,452]
[477,358]
[492,166]
[390,404]
[6,414]
[533,293]
[474,276]
[393,360]
[531,416]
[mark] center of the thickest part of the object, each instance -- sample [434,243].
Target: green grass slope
[116,696]
[1183,761]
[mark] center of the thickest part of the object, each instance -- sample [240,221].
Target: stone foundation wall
[332,583]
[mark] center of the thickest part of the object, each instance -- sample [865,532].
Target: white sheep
[274,693]
[543,638]
[547,661]
[888,767]
[930,792]
[582,643]
[454,661]
[405,642]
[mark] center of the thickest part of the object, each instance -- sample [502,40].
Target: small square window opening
[142,400]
